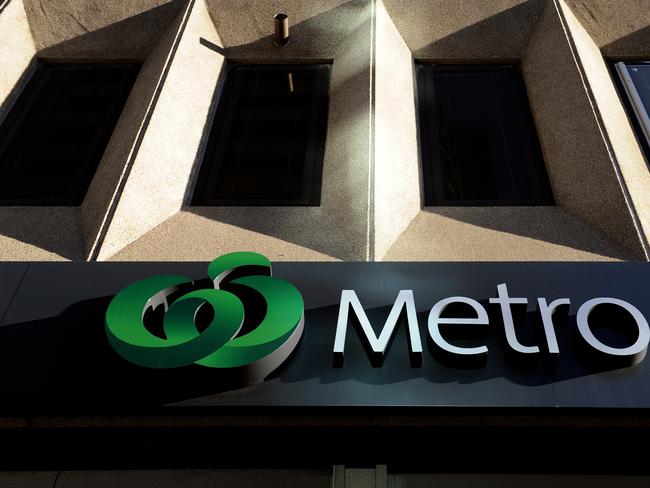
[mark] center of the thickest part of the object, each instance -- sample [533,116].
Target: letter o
[637,351]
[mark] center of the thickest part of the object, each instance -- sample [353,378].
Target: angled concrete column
[622,32]
[101,203]
[594,164]
[162,162]
[397,197]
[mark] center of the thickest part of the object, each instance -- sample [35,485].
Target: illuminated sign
[223,342]
[122,336]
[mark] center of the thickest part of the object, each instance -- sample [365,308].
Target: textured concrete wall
[105,188]
[501,234]
[620,28]
[202,233]
[99,29]
[458,30]
[368,210]
[160,175]
[397,195]
[576,152]
[346,169]
[40,234]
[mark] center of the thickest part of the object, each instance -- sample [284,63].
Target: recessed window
[477,138]
[267,141]
[633,80]
[55,135]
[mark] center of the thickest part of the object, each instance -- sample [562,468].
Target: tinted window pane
[478,140]
[56,133]
[267,142]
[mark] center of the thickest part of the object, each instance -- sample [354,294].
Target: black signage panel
[56,352]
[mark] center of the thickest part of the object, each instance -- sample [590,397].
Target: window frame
[431,163]
[213,159]
[23,105]
[635,110]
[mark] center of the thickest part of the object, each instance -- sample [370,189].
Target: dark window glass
[267,141]
[55,135]
[478,140]
[633,82]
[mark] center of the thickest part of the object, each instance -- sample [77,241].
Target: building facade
[372,198]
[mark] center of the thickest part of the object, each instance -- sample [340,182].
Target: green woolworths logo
[219,345]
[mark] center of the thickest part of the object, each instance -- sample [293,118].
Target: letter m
[377,346]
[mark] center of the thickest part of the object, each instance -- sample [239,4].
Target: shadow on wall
[546,224]
[503,35]
[319,35]
[620,29]
[634,46]
[131,38]
[55,229]
[305,227]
